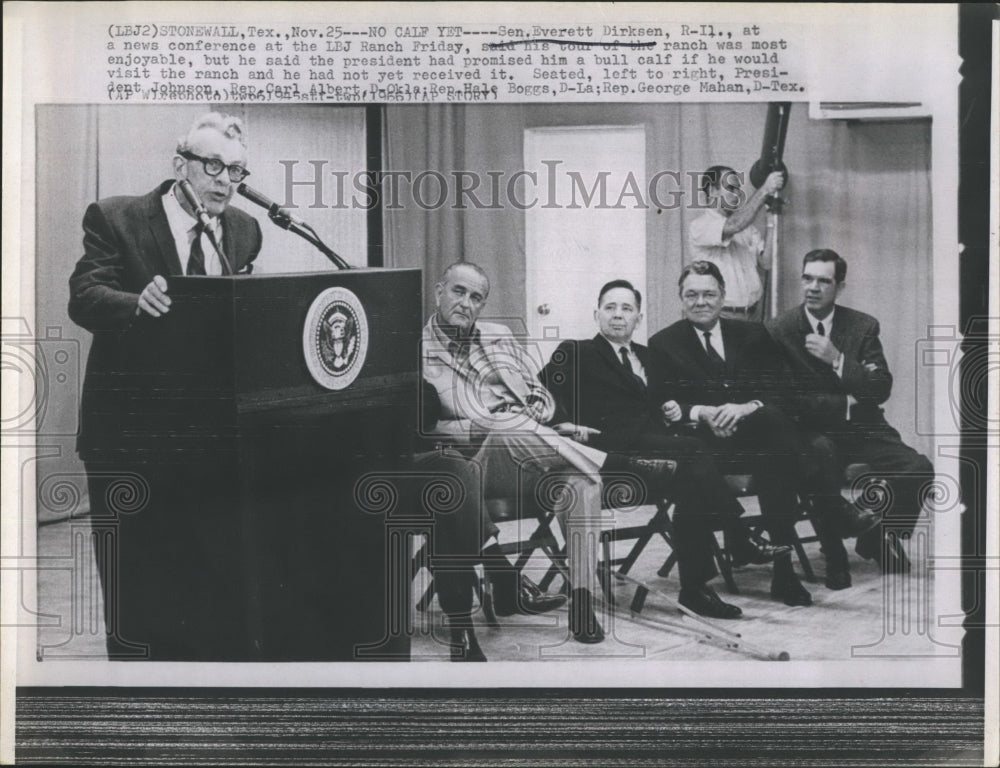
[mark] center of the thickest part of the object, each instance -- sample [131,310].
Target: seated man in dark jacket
[841,380]
[731,381]
[609,394]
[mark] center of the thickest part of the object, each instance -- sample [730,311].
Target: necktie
[820,329]
[625,360]
[714,356]
[196,261]
[627,365]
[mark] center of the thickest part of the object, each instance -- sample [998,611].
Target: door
[587,227]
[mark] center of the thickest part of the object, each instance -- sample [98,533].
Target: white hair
[228,125]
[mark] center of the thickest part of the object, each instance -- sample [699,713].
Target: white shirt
[735,257]
[182,228]
[637,367]
[715,338]
[827,326]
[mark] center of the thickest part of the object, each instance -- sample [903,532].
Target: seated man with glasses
[842,380]
[131,244]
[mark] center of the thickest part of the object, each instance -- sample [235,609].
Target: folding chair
[742,487]
[522,506]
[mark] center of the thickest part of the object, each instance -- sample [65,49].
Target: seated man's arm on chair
[539,401]
[865,373]
[558,377]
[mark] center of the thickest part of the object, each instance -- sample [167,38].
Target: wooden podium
[257,406]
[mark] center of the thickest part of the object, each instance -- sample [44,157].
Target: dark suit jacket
[754,368]
[126,241]
[592,388]
[821,395]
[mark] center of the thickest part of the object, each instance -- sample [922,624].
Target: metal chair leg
[725,567]
[485,592]
[807,569]
[419,561]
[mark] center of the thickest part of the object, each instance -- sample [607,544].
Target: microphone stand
[772,222]
[227,268]
[774,204]
[770,160]
[308,234]
[202,215]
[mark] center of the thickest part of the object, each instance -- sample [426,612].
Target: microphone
[272,208]
[284,219]
[195,202]
[206,222]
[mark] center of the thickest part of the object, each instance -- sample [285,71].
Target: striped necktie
[196,261]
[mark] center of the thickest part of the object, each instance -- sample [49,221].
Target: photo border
[897,726]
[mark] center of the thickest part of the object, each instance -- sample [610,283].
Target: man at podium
[154,606]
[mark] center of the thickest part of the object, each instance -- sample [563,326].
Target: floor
[842,625]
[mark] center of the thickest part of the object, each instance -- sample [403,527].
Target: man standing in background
[726,236]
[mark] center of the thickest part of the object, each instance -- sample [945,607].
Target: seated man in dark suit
[152,597]
[609,393]
[727,376]
[842,379]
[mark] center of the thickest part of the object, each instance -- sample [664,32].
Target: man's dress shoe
[464,645]
[786,587]
[705,602]
[528,600]
[754,550]
[837,577]
[582,621]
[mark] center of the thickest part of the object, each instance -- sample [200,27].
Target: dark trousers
[703,501]
[767,446]
[161,545]
[449,491]
[905,472]
[166,540]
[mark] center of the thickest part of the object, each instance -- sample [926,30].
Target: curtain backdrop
[66,181]
[861,188]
